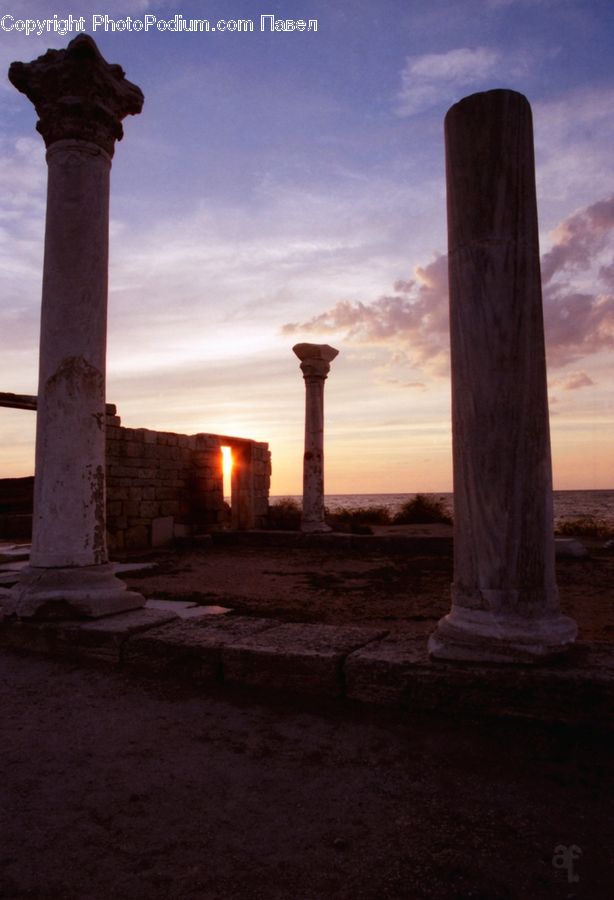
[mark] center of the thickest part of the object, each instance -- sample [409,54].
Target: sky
[288,186]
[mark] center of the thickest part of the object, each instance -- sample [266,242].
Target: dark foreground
[119,788]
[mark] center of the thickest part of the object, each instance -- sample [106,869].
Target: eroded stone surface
[81,100]
[78,94]
[382,671]
[315,365]
[306,658]
[102,639]
[396,671]
[503,517]
[191,648]
[76,592]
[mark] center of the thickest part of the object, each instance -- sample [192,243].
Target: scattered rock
[570,547]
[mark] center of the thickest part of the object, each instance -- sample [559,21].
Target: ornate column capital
[315,359]
[77,94]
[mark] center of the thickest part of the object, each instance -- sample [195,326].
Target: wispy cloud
[579,240]
[574,134]
[22,216]
[576,380]
[434,77]
[577,274]
[414,319]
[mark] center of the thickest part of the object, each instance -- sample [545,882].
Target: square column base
[472,635]
[75,592]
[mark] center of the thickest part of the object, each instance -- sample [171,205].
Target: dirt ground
[121,789]
[117,788]
[406,591]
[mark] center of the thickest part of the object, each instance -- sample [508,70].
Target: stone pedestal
[505,605]
[315,365]
[80,100]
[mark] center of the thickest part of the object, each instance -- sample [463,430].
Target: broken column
[80,100]
[505,604]
[315,365]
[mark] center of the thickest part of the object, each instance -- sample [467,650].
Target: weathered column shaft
[313,459]
[315,365]
[81,100]
[69,521]
[504,598]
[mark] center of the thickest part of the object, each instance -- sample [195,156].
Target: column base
[315,528]
[75,592]
[475,635]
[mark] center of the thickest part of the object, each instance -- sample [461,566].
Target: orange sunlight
[227,470]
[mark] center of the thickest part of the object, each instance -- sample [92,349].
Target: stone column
[242,486]
[505,604]
[80,100]
[315,364]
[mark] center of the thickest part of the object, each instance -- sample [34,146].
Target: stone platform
[355,663]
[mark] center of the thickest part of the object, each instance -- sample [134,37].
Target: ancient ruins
[315,366]
[97,481]
[161,485]
[505,604]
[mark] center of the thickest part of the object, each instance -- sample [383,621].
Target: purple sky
[289,186]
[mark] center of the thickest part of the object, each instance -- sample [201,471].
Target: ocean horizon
[567,504]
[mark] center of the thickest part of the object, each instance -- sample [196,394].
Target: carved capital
[315,359]
[78,94]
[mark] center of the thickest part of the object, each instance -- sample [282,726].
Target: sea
[567,504]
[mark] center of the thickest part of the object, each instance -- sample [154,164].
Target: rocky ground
[372,584]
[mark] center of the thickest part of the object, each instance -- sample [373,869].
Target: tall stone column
[315,365]
[80,100]
[505,604]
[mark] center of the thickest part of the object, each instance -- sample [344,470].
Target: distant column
[80,100]
[505,604]
[315,365]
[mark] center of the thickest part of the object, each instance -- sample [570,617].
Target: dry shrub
[284,515]
[423,510]
[586,527]
[359,519]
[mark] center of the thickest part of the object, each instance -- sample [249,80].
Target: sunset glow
[227,470]
[286,187]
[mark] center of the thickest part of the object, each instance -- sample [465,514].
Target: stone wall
[162,485]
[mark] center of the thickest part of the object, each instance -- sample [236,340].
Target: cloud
[415,318]
[573,381]
[22,216]
[579,239]
[577,380]
[578,281]
[573,138]
[434,77]
[412,323]
[414,385]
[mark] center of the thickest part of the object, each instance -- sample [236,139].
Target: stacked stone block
[261,465]
[162,485]
[206,483]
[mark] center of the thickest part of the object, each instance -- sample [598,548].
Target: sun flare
[227,468]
